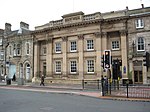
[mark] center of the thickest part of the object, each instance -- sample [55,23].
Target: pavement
[65,89]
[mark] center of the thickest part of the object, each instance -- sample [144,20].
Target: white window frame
[90,44]
[57,67]
[44,50]
[17,50]
[141,44]
[73,66]
[27,48]
[115,45]
[1,41]
[139,23]
[58,47]
[73,46]
[1,55]
[90,66]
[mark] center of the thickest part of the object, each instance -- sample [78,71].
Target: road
[31,101]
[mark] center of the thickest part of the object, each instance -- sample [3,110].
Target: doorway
[138,77]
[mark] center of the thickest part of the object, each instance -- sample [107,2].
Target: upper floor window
[10,50]
[90,45]
[90,66]
[115,45]
[44,50]
[139,23]
[140,44]
[58,47]
[1,43]
[1,55]
[58,66]
[27,48]
[73,66]
[73,46]
[17,50]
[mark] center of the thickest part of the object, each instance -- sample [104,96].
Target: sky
[39,12]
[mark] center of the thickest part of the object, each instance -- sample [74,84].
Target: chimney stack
[7,27]
[1,31]
[24,25]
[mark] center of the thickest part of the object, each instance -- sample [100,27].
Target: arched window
[140,44]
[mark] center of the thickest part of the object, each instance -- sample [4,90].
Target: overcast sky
[39,12]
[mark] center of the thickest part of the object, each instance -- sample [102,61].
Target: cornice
[67,26]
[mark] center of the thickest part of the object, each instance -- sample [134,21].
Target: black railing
[91,84]
[129,91]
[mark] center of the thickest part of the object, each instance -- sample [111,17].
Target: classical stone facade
[70,49]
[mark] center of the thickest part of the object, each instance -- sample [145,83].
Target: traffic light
[107,59]
[146,59]
[102,61]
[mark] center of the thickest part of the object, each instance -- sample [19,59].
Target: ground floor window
[90,66]
[138,77]
[58,66]
[73,67]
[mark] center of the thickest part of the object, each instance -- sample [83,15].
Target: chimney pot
[142,5]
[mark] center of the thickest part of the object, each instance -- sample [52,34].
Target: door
[27,72]
[12,71]
[138,77]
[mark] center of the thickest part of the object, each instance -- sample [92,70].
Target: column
[144,75]
[49,61]
[81,62]
[124,54]
[98,54]
[104,47]
[36,59]
[104,41]
[64,53]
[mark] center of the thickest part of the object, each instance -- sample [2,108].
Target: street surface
[36,101]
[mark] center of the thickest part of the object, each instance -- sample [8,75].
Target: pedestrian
[102,84]
[42,80]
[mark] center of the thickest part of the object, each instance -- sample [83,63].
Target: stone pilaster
[104,40]
[49,56]
[98,54]
[64,53]
[36,59]
[124,54]
[145,75]
[81,50]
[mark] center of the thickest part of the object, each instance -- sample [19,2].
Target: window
[27,48]
[90,45]
[73,46]
[1,42]
[17,51]
[58,47]
[73,66]
[140,44]
[90,66]
[58,66]
[10,50]
[44,50]
[115,45]
[139,23]
[1,55]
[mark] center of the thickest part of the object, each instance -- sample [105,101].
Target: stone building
[18,46]
[139,43]
[70,49]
